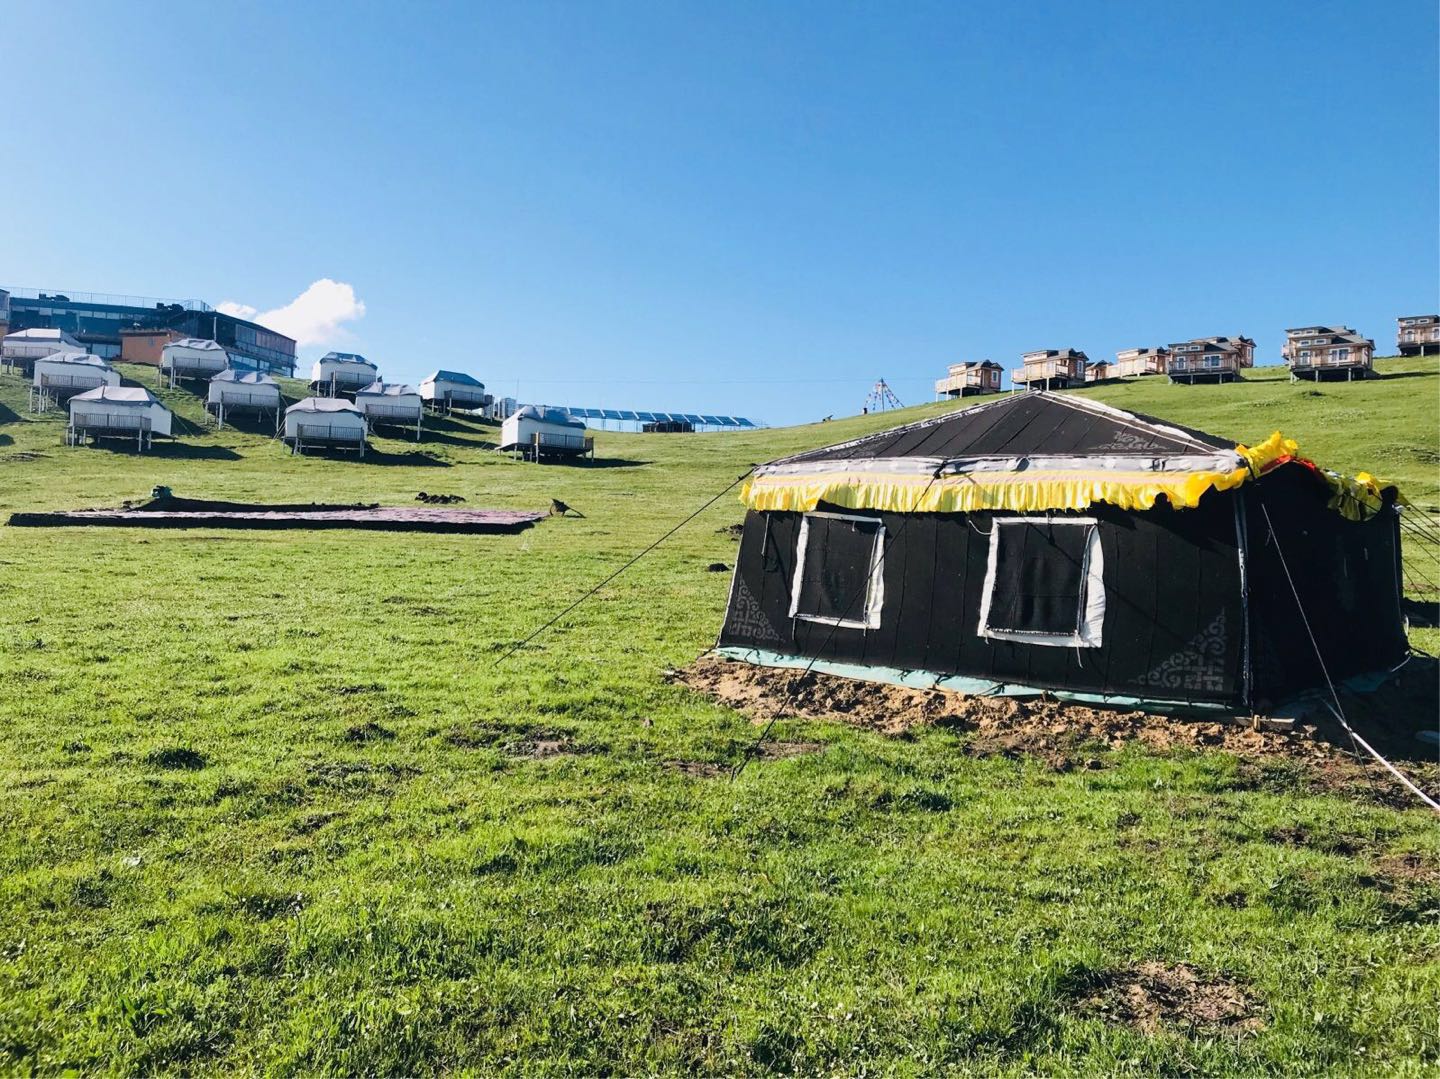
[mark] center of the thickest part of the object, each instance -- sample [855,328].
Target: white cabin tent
[232,392]
[447,390]
[193,357]
[22,348]
[342,372]
[62,375]
[391,404]
[325,423]
[535,431]
[117,412]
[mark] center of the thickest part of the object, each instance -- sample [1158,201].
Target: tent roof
[1031,452]
[389,389]
[84,358]
[454,376]
[547,415]
[345,357]
[201,343]
[249,378]
[323,404]
[1025,424]
[128,395]
[39,334]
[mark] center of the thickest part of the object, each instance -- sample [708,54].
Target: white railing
[100,424]
[325,434]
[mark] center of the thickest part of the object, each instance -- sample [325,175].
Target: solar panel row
[693,418]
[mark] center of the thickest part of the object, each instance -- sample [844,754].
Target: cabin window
[1045,582]
[839,571]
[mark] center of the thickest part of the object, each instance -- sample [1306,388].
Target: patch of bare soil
[1412,867]
[1066,735]
[766,751]
[1154,996]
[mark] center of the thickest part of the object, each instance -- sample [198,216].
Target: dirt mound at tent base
[1064,735]
[1001,724]
[1153,997]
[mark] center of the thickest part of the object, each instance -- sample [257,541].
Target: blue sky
[748,208]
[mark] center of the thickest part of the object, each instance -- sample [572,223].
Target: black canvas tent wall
[1048,543]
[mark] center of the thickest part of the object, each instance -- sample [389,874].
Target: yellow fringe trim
[1033,491]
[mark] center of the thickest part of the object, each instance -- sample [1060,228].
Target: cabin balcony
[1197,368]
[962,382]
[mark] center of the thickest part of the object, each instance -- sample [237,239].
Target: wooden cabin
[1133,362]
[1320,352]
[1210,359]
[1099,371]
[1418,335]
[973,377]
[1051,369]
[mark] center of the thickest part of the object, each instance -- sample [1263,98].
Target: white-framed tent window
[839,571]
[1045,582]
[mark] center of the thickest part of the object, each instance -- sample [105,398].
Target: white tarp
[33,344]
[521,428]
[325,413]
[71,370]
[344,369]
[194,356]
[97,405]
[455,386]
[390,400]
[252,388]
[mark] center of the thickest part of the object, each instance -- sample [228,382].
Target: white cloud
[316,317]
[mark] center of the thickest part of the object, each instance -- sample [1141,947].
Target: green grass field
[269,804]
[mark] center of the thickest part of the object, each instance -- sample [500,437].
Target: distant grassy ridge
[269,803]
[1389,427]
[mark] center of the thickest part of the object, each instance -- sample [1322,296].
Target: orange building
[144,345]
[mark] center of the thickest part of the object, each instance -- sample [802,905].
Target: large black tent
[1049,543]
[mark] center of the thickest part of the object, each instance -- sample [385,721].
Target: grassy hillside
[271,804]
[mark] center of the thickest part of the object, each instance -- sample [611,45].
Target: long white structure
[193,357]
[117,412]
[391,404]
[325,423]
[342,372]
[233,391]
[23,347]
[62,375]
[535,431]
[447,390]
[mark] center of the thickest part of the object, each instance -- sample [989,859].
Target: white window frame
[1212,359]
[1304,353]
[1092,598]
[874,585]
